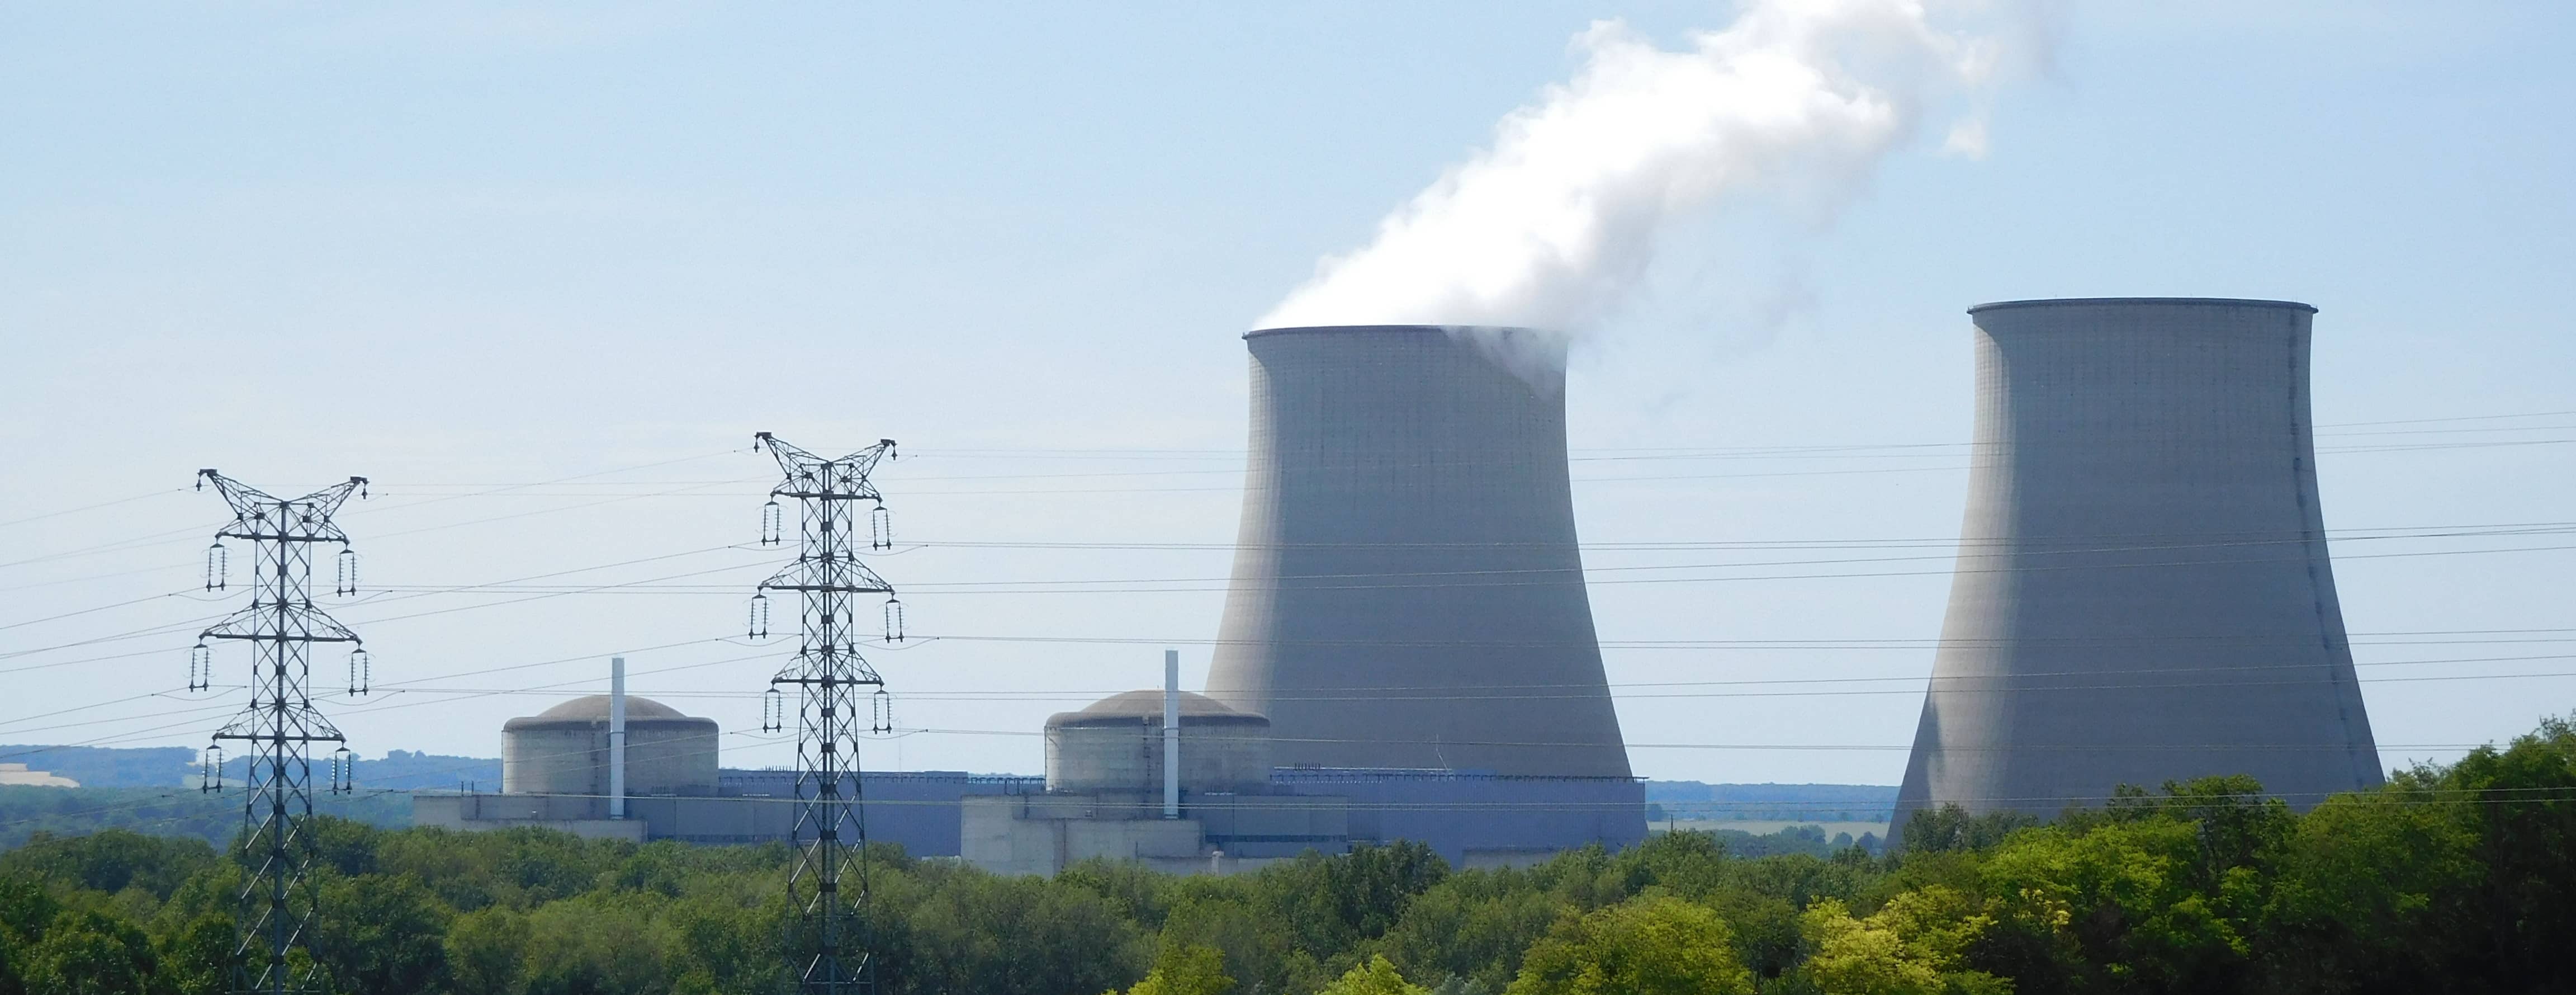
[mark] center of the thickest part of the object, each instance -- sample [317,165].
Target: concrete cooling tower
[1407,591]
[2142,590]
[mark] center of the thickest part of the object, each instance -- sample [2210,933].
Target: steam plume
[1551,224]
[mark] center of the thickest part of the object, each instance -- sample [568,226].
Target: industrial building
[560,769]
[2142,590]
[1407,590]
[564,750]
[1406,652]
[1197,793]
[1181,782]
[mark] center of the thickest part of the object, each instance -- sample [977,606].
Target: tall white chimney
[1171,734]
[616,737]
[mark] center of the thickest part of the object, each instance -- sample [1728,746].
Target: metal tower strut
[277,907]
[827,885]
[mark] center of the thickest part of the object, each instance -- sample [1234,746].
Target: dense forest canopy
[2458,878]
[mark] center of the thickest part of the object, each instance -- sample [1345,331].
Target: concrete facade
[1479,818]
[915,809]
[2142,589]
[1407,590]
[564,750]
[1047,832]
[1472,819]
[1116,745]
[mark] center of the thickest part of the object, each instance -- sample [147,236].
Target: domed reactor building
[619,766]
[564,750]
[2142,591]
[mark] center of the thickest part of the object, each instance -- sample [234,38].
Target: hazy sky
[541,273]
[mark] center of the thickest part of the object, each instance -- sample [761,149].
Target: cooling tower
[1407,591]
[2142,591]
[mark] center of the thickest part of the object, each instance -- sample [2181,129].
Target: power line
[91,507]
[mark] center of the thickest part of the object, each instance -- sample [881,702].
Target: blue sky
[494,246]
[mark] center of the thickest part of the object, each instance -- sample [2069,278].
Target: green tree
[110,860]
[1474,925]
[485,950]
[1655,945]
[1689,864]
[727,941]
[1916,945]
[2368,889]
[196,954]
[1332,903]
[1137,891]
[1261,946]
[1377,977]
[344,845]
[1950,828]
[591,946]
[26,908]
[1186,969]
[2525,905]
[383,935]
[977,932]
[86,953]
[2120,899]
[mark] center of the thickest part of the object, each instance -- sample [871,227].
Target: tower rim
[1390,328]
[2166,301]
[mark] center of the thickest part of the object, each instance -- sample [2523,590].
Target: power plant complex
[1406,651]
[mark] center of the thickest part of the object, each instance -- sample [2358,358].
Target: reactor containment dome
[1407,591]
[564,750]
[2142,592]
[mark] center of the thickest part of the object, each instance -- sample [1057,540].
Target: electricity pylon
[827,951]
[277,909]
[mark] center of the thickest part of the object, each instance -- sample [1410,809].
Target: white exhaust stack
[616,737]
[1171,734]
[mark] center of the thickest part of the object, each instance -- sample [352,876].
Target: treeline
[2451,879]
[1770,802]
[166,811]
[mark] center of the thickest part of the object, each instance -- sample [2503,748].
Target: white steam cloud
[1553,223]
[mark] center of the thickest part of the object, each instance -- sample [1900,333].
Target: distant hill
[404,770]
[176,767]
[1772,802]
[105,767]
[166,811]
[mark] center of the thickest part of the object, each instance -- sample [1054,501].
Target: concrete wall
[1094,755]
[2142,588]
[1043,834]
[1477,819]
[1407,590]
[917,809]
[583,817]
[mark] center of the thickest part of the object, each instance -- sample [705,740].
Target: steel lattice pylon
[278,907]
[827,949]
